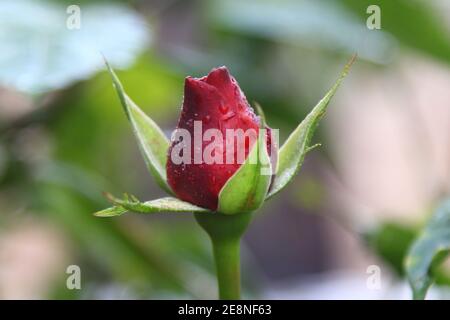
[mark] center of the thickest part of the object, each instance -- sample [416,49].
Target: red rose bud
[200,160]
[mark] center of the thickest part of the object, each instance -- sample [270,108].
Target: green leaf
[131,203]
[152,141]
[246,190]
[293,151]
[391,242]
[428,250]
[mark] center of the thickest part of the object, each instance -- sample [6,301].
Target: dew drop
[206,119]
[228,115]
[223,108]
[237,92]
[189,122]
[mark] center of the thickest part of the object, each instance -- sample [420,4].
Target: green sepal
[246,190]
[151,140]
[131,203]
[293,151]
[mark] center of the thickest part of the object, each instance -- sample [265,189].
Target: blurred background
[358,201]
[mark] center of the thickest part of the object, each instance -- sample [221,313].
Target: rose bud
[213,102]
[223,193]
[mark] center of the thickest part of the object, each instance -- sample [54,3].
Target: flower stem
[225,232]
[227,259]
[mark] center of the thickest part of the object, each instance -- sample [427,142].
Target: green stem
[225,232]
[227,259]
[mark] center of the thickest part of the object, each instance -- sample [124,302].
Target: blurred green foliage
[391,242]
[429,251]
[415,24]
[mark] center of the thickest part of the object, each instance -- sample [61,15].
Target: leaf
[41,53]
[293,151]
[151,139]
[246,190]
[391,242]
[428,250]
[131,203]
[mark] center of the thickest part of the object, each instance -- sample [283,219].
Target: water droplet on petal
[223,108]
[206,119]
[228,115]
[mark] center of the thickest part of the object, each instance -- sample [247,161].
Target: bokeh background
[358,202]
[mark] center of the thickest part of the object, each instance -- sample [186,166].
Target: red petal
[217,101]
